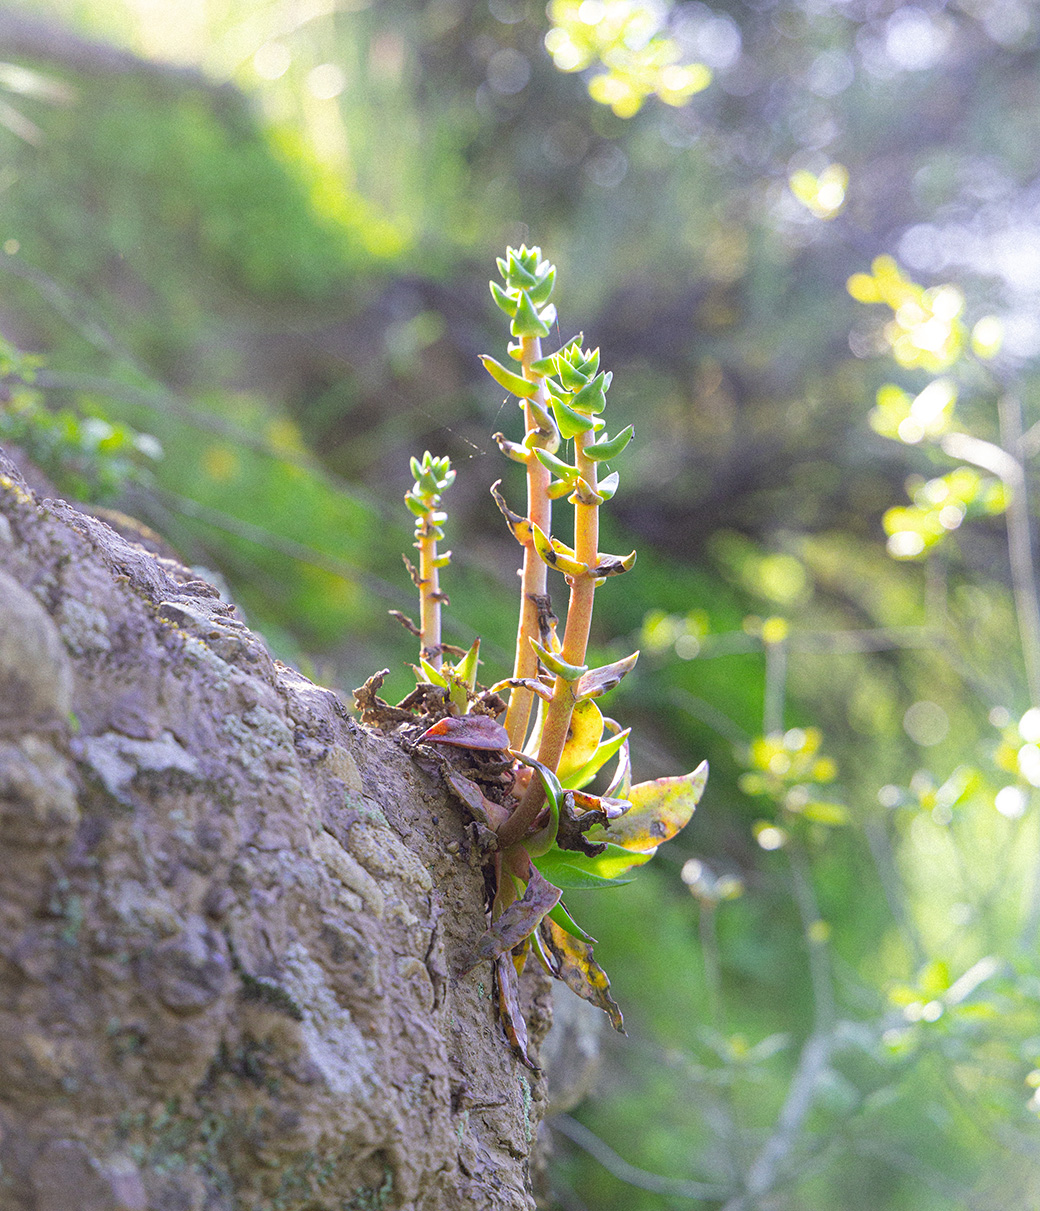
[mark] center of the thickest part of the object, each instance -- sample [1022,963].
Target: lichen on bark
[230,917]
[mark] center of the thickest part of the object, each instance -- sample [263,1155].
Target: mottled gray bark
[230,919]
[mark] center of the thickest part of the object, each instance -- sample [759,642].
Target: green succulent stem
[432,477]
[533,576]
[575,644]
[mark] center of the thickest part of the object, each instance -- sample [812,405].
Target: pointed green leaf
[608,485]
[505,301]
[590,365]
[558,467]
[519,274]
[556,665]
[571,870]
[570,423]
[432,675]
[659,810]
[545,365]
[547,314]
[566,922]
[571,378]
[610,447]
[541,290]
[556,555]
[513,383]
[466,669]
[592,397]
[526,321]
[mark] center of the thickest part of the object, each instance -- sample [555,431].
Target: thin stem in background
[814,1059]
[579,1134]
[775,687]
[892,885]
[1020,544]
[709,939]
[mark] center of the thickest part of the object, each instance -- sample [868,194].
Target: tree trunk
[230,918]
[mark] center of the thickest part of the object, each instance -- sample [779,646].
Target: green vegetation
[549,834]
[262,243]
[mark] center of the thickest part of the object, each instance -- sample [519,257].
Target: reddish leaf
[611,808]
[518,921]
[579,970]
[468,731]
[509,1008]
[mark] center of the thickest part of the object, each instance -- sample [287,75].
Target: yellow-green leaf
[659,810]
[506,378]
[599,758]
[586,731]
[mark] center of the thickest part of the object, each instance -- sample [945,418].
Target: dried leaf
[509,1008]
[621,783]
[482,809]
[520,526]
[599,681]
[600,804]
[517,922]
[659,810]
[580,971]
[468,731]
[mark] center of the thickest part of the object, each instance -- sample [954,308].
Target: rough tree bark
[230,919]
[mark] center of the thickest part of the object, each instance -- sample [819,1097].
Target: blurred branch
[1004,461]
[885,864]
[579,1134]
[236,527]
[775,687]
[29,37]
[814,1059]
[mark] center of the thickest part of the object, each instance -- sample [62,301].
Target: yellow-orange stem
[575,644]
[429,596]
[533,572]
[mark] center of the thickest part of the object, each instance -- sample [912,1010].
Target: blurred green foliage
[261,235]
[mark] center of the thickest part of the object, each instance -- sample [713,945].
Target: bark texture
[230,919]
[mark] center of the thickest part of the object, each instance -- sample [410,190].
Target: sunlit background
[245,249]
